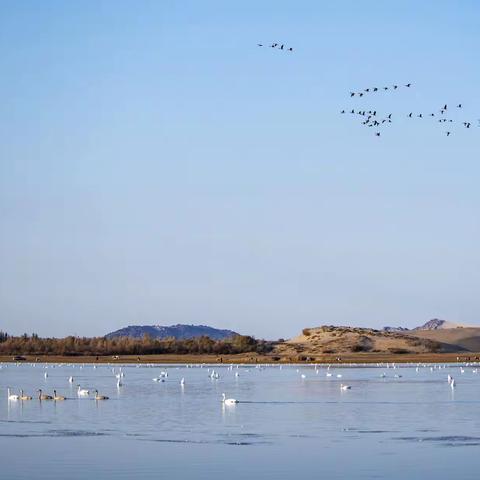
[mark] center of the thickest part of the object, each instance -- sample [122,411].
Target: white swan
[82,391]
[12,396]
[228,401]
[345,387]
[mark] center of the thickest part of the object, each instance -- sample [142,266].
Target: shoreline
[252,359]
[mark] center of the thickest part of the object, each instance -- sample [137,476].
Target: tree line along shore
[329,345]
[72,346]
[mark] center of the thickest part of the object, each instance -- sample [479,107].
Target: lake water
[412,426]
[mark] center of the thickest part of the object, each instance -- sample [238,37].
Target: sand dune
[463,338]
[340,340]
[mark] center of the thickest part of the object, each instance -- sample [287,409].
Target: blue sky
[156,166]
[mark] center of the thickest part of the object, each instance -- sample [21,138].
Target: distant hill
[437,324]
[434,324]
[180,332]
[395,329]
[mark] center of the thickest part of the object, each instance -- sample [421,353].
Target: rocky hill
[437,324]
[173,331]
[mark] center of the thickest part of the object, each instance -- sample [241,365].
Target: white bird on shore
[45,375]
[452,383]
[449,379]
[70,379]
[345,387]
[119,383]
[182,382]
[228,401]
[339,375]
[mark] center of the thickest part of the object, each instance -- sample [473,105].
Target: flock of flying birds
[373,119]
[281,46]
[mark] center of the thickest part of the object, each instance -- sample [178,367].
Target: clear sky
[156,166]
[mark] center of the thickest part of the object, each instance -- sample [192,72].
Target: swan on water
[24,397]
[228,401]
[44,396]
[12,396]
[57,397]
[82,391]
[345,387]
[100,397]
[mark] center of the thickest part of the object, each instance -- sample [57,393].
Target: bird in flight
[448,133]
[408,85]
[275,45]
[459,105]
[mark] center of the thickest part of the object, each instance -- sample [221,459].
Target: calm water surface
[410,426]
